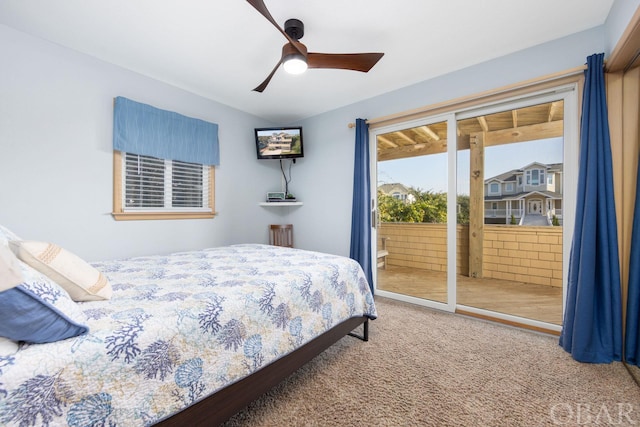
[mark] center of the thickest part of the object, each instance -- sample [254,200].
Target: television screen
[279,143]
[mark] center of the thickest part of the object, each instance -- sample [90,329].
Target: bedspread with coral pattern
[177,329]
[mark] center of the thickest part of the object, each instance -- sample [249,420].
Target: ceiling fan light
[295,64]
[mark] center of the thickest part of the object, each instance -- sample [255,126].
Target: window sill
[133,216]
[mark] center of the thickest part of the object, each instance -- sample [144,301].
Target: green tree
[462,201]
[395,210]
[427,207]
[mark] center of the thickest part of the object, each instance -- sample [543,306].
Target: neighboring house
[532,195]
[397,191]
[280,141]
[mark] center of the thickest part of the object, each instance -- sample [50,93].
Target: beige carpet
[426,368]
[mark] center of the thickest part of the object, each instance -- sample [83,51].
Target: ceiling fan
[296,59]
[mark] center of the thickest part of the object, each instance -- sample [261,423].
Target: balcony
[521,268]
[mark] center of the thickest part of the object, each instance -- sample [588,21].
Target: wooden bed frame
[226,402]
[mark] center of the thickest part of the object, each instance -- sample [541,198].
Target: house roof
[221,50]
[512,174]
[504,177]
[389,188]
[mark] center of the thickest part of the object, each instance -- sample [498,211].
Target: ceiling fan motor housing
[294,28]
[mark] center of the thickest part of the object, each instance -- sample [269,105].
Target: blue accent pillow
[39,311]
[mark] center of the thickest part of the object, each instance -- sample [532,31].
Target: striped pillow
[82,281]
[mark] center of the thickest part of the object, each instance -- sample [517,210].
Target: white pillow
[8,347]
[10,274]
[6,235]
[82,281]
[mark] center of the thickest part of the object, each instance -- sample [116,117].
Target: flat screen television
[279,142]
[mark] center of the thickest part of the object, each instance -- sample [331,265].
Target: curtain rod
[451,103]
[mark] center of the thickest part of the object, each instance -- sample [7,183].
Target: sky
[430,172]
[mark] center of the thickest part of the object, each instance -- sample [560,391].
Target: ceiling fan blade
[260,7]
[262,86]
[345,61]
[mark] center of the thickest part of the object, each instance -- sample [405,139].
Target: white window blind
[157,185]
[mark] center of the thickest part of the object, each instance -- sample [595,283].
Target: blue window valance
[146,130]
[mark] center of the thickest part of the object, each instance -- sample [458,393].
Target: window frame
[119,214]
[535,176]
[497,191]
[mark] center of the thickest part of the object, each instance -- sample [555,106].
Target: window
[535,177]
[146,187]
[520,181]
[509,187]
[163,164]
[550,179]
[494,188]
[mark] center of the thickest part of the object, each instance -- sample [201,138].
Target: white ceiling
[221,49]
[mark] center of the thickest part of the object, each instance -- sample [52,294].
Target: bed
[184,339]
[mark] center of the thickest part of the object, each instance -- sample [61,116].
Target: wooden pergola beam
[431,134]
[431,147]
[483,123]
[403,136]
[387,141]
[499,137]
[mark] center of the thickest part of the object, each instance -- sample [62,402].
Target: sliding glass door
[412,204]
[475,208]
[510,177]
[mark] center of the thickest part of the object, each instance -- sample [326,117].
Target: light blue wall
[619,16]
[56,157]
[56,109]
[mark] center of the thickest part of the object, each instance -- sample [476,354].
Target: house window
[535,177]
[528,177]
[494,206]
[494,188]
[550,179]
[146,187]
[509,187]
[520,181]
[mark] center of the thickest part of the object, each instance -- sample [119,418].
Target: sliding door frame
[567,88]
[450,305]
[571,142]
